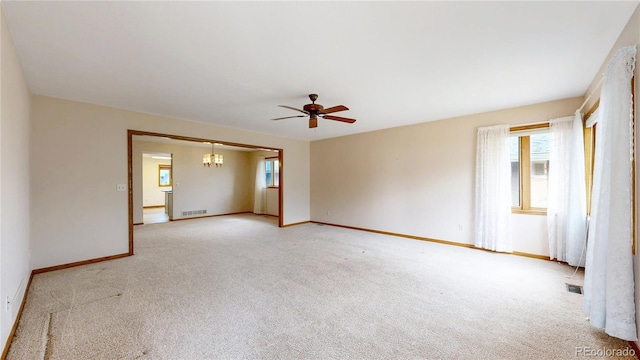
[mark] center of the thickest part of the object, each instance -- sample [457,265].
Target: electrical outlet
[121,187]
[328,212]
[7,303]
[460,227]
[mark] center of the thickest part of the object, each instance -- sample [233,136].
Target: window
[529,148]
[272,171]
[164,175]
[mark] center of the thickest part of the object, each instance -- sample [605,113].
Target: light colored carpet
[239,287]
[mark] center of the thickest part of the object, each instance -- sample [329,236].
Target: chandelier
[213,158]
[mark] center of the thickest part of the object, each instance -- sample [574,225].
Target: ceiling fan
[314,110]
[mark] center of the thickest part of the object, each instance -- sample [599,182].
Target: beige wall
[222,190]
[14,182]
[77,213]
[272,201]
[418,180]
[152,193]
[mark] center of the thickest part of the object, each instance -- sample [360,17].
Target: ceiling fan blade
[313,122]
[333,109]
[338,118]
[292,108]
[289,117]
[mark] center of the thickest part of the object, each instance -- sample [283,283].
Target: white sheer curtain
[260,194]
[609,281]
[567,199]
[493,189]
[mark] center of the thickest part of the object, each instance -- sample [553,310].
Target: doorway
[156,186]
[195,161]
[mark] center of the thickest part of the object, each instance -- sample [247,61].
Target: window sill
[529,211]
[273,187]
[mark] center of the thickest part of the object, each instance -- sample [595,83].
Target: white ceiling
[391,63]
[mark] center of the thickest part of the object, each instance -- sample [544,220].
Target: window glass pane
[165,176]
[276,169]
[267,168]
[539,169]
[514,149]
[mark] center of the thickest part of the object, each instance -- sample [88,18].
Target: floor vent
[194,212]
[577,289]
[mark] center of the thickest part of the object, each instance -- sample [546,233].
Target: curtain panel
[493,189]
[260,192]
[609,278]
[567,199]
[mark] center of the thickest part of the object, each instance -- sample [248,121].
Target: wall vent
[194,212]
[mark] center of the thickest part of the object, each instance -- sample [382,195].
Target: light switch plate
[121,187]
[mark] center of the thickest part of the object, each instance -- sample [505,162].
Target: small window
[272,171]
[164,175]
[529,169]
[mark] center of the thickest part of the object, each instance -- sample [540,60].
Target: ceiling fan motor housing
[313,108]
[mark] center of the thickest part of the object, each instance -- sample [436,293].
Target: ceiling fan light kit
[314,110]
